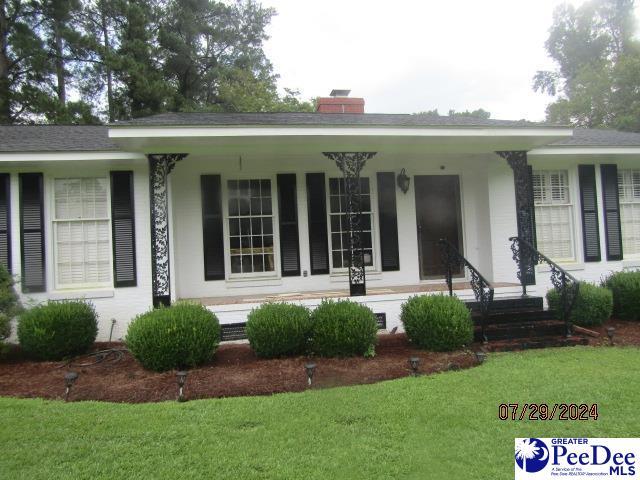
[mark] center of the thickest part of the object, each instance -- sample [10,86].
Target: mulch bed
[236,371]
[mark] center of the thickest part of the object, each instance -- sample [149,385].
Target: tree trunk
[106,59]
[62,88]
[5,91]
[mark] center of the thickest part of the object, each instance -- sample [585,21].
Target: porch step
[510,304]
[521,330]
[498,318]
[541,342]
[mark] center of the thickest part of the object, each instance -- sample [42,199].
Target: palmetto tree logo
[532,454]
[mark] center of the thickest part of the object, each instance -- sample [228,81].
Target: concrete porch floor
[335,293]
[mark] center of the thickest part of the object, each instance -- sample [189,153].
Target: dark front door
[438,216]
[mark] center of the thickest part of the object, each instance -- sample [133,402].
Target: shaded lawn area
[441,426]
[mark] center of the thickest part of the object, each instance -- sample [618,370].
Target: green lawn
[443,426]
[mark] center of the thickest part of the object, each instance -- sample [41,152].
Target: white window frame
[55,222]
[373,195]
[626,175]
[227,233]
[570,206]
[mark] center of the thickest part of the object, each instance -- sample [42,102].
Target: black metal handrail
[526,257]
[482,288]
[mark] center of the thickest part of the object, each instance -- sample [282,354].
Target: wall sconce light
[403,181]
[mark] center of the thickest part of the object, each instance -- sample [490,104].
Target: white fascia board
[585,151]
[68,156]
[250,131]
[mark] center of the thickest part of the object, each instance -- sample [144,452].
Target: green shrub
[343,328]
[625,287]
[181,336]
[9,303]
[437,322]
[279,329]
[593,305]
[57,330]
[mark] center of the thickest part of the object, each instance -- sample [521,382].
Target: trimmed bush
[57,330]
[625,287]
[343,328]
[593,306]
[437,322]
[181,336]
[279,329]
[9,303]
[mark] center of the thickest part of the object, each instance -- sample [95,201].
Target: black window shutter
[611,209]
[213,239]
[589,206]
[123,230]
[317,213]
[288,213]
[388,220]
[5,220]
[32,233]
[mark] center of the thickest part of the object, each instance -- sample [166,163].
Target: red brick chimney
[338,101]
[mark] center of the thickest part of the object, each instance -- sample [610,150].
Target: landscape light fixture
[610,332]
[403,181]
[69,379]
[414,363]
[310,368]
[481,357]
[181,377]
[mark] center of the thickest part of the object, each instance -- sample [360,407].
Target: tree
[478,113]
[595,82]
[24,65]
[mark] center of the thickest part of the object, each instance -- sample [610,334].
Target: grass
[442,426]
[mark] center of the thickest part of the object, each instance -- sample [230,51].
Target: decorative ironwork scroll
[482,288]
[351,164]
[160,166]
[565,284]
[525,211]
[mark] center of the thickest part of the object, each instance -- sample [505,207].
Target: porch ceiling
[308,140]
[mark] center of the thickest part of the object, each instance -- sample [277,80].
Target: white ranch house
[236,209]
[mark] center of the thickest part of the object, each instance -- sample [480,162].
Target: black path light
[310,369]
[69,379]
[414,363]
[481,357]
[610,333]
[181,377]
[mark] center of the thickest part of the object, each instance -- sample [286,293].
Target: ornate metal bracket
[525,211]
[566,285]
[160,166]
[482,288]
[351,164]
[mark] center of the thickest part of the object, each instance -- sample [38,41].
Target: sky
[407,56]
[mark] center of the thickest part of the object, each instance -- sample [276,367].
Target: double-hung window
[82,234]
[339,223]
[554,214]
[250,226]
[629,195]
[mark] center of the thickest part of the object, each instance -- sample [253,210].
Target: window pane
[629,195]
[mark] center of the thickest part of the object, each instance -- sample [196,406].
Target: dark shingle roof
[319,120]
[584,137]
[55,138]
